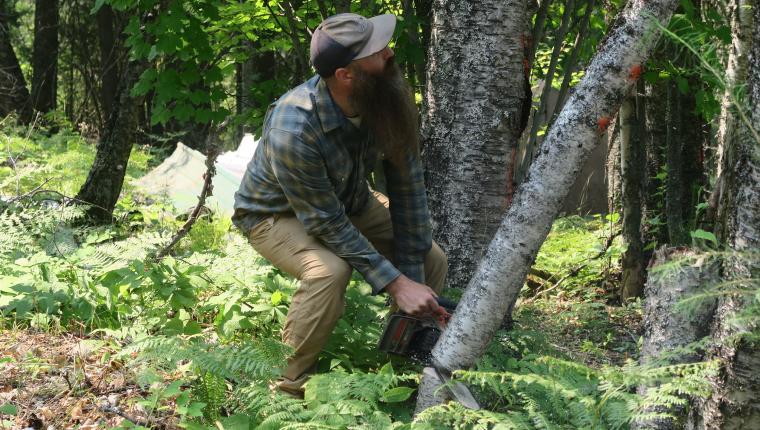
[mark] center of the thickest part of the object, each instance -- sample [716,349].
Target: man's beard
[386,106]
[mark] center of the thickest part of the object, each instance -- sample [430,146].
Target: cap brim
[382,32]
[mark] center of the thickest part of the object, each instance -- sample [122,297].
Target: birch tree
[494,288]
[475,112]
[735,403]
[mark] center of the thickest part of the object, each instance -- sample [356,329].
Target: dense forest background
[121,311]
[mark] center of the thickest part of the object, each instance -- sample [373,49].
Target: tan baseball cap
[345,37]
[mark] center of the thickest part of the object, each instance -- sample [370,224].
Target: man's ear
[343,75]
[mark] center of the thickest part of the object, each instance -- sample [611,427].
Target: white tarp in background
[180,177]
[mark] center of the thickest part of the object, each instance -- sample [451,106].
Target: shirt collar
[328,111]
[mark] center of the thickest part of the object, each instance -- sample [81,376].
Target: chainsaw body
[413,337]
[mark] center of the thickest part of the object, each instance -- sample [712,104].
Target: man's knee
[324,282]
[329,268]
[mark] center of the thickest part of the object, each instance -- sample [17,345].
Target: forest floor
[67,329]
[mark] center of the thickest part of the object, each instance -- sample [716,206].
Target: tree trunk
[674,182]
[104,182]
[475,99]
[695,135]
[494,288]
[612,169]
[739,16]
[632,159]
[656,131]
[109,70]
[735,403]
[14,95]
[667,328]
[45,55]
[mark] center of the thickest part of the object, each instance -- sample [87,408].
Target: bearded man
[305,203]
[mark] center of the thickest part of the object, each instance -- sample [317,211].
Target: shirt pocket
[340,164]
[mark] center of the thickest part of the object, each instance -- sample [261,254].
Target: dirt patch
[63,381]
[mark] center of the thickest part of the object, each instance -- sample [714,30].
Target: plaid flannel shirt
[312,162]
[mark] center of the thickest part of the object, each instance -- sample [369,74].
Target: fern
[455,416]
[255,360]
[211,390]
[108,256]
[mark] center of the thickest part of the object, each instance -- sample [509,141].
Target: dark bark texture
[668,329]
[104,182]
[656,132]
[612,169]
[632,155]
[45,55]
[674,186]
[109,69]
[14,95]
[475,99]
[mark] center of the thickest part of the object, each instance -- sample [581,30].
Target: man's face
[376,63]
[385,102]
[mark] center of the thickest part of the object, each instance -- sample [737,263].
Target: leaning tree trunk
[14,96]
[501,274]
[104,182]
[632,159]
[45,55]
[475,112]
[735,403]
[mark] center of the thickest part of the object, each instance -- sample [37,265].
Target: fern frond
[258,360]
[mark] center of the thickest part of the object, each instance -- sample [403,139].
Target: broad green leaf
[8,409]
[705,235]
[398,394]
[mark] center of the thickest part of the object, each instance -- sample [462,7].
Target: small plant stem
[206,191]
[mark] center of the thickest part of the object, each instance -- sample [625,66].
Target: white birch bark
[474,114]
[735,403]
[501,273]
[739,15]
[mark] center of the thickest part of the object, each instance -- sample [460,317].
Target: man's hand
[412,297]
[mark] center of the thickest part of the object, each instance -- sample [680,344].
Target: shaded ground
[63,381]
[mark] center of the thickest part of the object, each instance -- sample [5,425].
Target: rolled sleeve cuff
[381,275]
[414,271]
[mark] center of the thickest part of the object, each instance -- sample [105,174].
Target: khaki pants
[318,303]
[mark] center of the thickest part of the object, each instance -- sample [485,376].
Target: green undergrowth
[199,331]
[60,162]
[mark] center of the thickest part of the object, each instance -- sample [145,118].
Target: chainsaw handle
[449,304]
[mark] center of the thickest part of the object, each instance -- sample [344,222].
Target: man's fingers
[432,303]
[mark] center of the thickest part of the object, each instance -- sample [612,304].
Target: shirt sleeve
[301,173]
[412,237]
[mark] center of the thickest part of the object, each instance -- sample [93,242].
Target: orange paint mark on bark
[603,123]
[635,72]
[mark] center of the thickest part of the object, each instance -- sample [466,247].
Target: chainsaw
[414,337]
